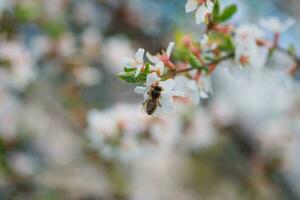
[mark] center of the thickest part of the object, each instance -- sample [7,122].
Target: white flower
[158,68]
[20,72]
[169,49]
[247,52]
[136,62]
[159,58]
[249,32]
[275,25]
[194,90]
[202,8]
[166,102]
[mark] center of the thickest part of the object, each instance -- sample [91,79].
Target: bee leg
[158,104]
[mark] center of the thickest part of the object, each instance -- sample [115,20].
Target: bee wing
[144,106]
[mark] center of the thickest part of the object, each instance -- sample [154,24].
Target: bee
[152,101]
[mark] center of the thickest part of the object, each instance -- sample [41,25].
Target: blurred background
[59,92]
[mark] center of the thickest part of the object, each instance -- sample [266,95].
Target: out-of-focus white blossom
[252,101]
[114,134]
[66,45]
[18,70]
[23,164]
[113,49]
[202,8]
[200,132]
[9,115]
[274,25]
[91,43]
[87,75]
[54,8]
[41,45]
[191,89]
[248,55]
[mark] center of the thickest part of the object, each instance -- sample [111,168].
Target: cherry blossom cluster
[184,70]
[115,136]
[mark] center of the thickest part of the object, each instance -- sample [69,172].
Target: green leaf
[54,27]
[131,78]
[127,69]
[227,45]
[205,70]
[147,69]
[216,10]
[227,13]
[194,61]
[25,13]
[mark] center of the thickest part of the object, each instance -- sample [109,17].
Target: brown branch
[215,62]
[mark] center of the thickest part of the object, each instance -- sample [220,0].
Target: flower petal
[139,56]
[177,93]
[200,14]
[167,85]
[153,59]
[203,94]
[138,70]
[167,103]
[140,90]
[152,78]
[128,62]
[207,83]
[160,66]
[191,5]
[181,82]
[209,5]
[169,49]
[192,85]
[195,97]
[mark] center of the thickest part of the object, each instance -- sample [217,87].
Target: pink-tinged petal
[191,5]
[152,78]
[169,49]
[153,59]
[200,14]
[139,56]
[167,85]
[210,6]
[140,90]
